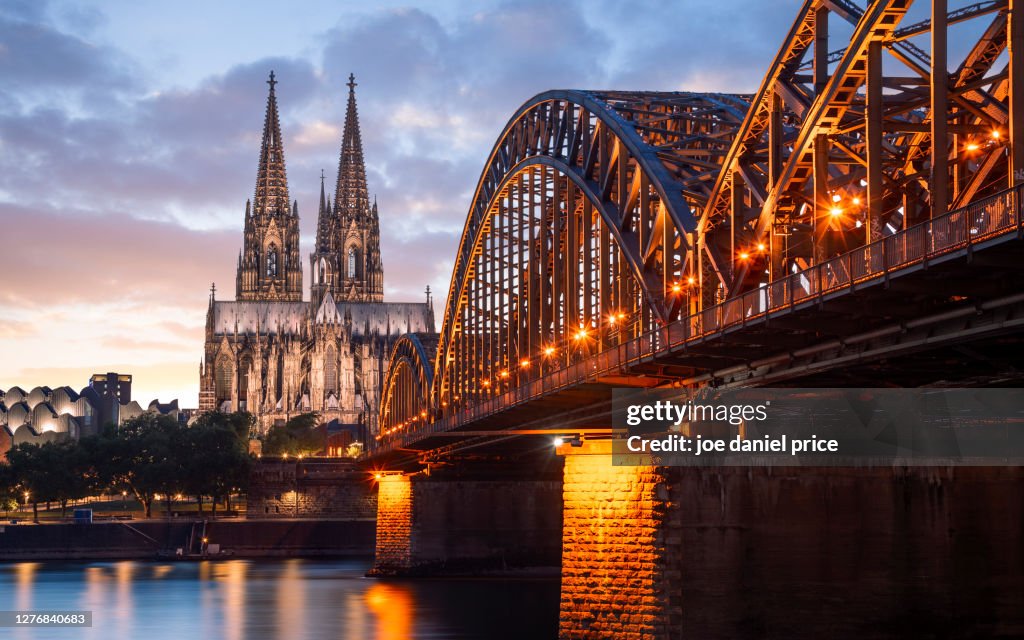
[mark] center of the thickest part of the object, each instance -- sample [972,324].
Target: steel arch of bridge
[581,190]
[609,214]
[406,397]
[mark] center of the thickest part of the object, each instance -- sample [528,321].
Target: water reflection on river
[288,599]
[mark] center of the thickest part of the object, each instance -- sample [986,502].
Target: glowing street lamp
[835,212]
[549,351]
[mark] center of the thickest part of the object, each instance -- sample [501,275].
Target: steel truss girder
[769,183]
[644,161]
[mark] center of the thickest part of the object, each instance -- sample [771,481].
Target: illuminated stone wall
[614,546]
[394,525]
[310,489]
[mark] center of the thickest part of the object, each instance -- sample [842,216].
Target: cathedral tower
[347,258]
[269,266]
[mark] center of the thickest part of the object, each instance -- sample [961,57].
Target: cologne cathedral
[276,355]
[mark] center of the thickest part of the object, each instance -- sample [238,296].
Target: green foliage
[241,422]
[295,437]
[146,455]
[8,488]
[215,459]
[52,472]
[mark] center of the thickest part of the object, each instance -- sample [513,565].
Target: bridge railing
[956,230]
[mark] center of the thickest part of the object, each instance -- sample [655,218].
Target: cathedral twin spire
[269,267]
[346,258]
[271,178]
[351,196]
[346,262]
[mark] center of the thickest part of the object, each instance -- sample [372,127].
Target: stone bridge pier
[469,515]
[660,552]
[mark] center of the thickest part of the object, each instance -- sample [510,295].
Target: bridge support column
[467,518]
[616,542]
[781,552]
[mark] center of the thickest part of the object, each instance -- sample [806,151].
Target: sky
[130,131]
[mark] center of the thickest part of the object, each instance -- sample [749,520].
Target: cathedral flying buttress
[271,353]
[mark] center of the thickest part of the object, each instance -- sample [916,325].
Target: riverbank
[194,538]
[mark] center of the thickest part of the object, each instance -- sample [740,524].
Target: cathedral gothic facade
[275,355]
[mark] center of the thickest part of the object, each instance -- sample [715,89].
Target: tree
[241,422]
[140,456]
[295,437]
[35,468]
[215,459]
[8,488]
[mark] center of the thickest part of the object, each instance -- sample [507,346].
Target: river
[286,599]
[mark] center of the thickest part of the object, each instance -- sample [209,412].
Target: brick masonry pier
[656,552]
[471,519]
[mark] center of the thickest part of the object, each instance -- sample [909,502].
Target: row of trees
[146,456]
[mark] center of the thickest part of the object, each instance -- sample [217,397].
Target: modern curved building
[45,415]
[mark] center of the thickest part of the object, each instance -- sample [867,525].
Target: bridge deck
[951,269]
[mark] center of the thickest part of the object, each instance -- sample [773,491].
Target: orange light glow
[676,288]
[581,334]
[744,255]
[855,200]
[392,605]
[504,373]
[760,246]
[524,363]
[691,281]
[485,384]
[995,134]
[971,147]
[835,212]
[549,351]
[836,198]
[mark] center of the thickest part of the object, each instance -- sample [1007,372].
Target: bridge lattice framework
[607,226]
